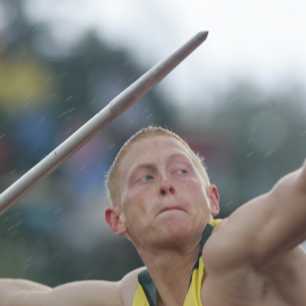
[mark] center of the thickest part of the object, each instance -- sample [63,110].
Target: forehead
[151,149]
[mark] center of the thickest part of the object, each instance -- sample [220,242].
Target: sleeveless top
[146,292]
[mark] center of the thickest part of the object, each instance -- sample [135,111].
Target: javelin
[115,107]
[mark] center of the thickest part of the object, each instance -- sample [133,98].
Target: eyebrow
[147,166]
[178,155]
[152,167]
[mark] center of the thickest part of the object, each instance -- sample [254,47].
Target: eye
[181,171]
[146,178]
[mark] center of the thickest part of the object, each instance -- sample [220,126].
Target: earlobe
[115,221]
[214,197]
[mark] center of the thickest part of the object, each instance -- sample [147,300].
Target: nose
[166,189]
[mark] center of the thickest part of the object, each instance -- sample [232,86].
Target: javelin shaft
[119,104]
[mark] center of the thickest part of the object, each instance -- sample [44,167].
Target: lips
[168,208]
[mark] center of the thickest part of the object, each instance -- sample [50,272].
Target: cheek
[137,202]
[138,215]
[194,186]
[143,192]
[195,193]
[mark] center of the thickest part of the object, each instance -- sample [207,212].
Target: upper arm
[84,293]
[11,289]
[97,293]
[283,222]
[268,225]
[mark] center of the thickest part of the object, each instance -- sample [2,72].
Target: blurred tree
[257,138]
[57,90]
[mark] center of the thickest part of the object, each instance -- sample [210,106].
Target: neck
[171,270]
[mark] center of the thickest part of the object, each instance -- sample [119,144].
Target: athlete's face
[163,198]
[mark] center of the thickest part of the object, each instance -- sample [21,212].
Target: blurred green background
[249,138]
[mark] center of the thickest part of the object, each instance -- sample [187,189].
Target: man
[161,199]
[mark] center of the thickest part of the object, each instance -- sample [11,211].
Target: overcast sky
[261,40]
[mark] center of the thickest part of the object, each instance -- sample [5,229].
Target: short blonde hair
[112,186]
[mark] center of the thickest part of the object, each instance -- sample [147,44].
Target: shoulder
[232,243]
[223,248]
[128,286]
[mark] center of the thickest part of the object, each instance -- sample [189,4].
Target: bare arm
[9,287]
[14,292]
[93,293]
[284,226]
[269,225]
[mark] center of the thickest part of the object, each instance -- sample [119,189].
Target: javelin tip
[202,35]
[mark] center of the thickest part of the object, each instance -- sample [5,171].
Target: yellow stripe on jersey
[140,297]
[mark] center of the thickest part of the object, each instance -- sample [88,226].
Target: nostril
[165,190]
[162,191]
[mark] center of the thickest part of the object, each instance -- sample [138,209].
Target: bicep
[84,293]
[13,291]
[93,293]
[268,225]
[283,224]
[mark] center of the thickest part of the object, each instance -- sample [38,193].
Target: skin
[251,259]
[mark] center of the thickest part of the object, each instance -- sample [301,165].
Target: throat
[169,275]
[167,283]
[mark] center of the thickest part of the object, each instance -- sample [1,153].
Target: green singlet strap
[205,235]
[148,286]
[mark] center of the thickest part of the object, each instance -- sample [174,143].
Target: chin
[175,230]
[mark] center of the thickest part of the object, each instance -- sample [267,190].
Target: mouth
[170,208]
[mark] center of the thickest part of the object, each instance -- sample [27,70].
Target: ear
[214,199]
[115,219]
